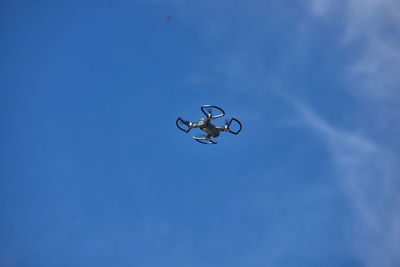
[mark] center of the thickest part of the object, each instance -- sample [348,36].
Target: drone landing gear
[204,140]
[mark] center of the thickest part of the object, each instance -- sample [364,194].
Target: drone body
[205,124]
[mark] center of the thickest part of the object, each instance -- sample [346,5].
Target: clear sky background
[94,172]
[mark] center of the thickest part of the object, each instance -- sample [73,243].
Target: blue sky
[94,171]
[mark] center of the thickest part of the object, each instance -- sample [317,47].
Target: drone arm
[189,124]
[221,128]
[193,125]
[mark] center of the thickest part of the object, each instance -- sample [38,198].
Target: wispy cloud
[369,175]
[369,168]
[375,24]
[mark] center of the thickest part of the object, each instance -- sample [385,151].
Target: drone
[207,126]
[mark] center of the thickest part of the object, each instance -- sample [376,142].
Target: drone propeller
[209,112]
[227,124]
[183,124]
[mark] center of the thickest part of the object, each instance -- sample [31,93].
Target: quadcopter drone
[206,126]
